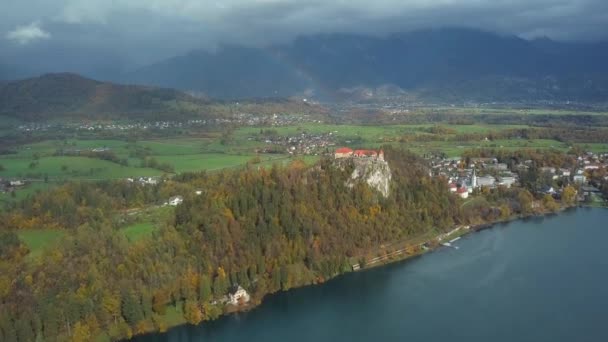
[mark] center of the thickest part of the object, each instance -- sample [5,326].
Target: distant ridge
[71,96]
[442,64]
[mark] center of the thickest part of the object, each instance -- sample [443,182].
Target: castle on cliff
[345,152]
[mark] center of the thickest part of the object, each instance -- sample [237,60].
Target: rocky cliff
[376,173]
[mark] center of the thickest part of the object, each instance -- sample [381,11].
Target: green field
[22,193]
[507,111]
[139,231]
[364,135]
[66,168]
[210,152]
[38,239]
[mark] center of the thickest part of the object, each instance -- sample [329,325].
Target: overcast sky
[143,31]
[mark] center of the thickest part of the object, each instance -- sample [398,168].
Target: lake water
[543,279]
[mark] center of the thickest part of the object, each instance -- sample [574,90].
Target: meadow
[37,240]
[190,154]
[41,163]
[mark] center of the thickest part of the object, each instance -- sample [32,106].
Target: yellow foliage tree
[82,333]
[192,312]
[569,195]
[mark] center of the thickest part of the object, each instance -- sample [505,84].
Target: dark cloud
[142,31]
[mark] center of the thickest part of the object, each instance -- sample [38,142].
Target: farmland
[46,162]
[49,159]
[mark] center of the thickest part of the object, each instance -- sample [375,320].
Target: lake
[541,279]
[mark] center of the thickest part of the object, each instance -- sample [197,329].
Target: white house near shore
[239,296]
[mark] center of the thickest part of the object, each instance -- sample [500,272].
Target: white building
[239,296]
[148,180]
[580,179]
[463,192]
[486,181]
[175,201]
[16,183]
[507,181]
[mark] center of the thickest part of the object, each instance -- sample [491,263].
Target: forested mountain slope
[266,230]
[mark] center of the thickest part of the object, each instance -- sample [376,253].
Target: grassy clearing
[594,147]
[175,146]
[70,168]
[23,193]
[39,239]
[173,315]
[210,161]
[139,231]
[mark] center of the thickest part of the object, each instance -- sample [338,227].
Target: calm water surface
[542,279]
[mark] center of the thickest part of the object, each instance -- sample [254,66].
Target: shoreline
[390,260]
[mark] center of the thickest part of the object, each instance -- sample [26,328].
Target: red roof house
[343,152]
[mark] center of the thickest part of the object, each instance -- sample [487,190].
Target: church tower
[474,180]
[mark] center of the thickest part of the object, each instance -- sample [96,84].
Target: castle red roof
[361,153]
[344,150]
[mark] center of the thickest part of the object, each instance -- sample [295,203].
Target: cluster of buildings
[247,119]
[300,144]
[144,180]
[241,119]
[464,178]
[10,185]
[112,126]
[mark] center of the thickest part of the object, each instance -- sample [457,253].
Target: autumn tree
[81,333]
[192,312]
[204,292]
[526,200]
[549,203]
[131,308]
[569,195]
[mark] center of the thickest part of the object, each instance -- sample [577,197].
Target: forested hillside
[58,96]
[265,229]
[73,97]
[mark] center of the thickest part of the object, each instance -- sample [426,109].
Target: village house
[579,179]
[239,296]
[175,201]
[507,181]
[463,192]
[488,181]
[16,183]
[148,180]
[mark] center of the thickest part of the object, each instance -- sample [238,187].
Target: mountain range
[445,64]
[441,65]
